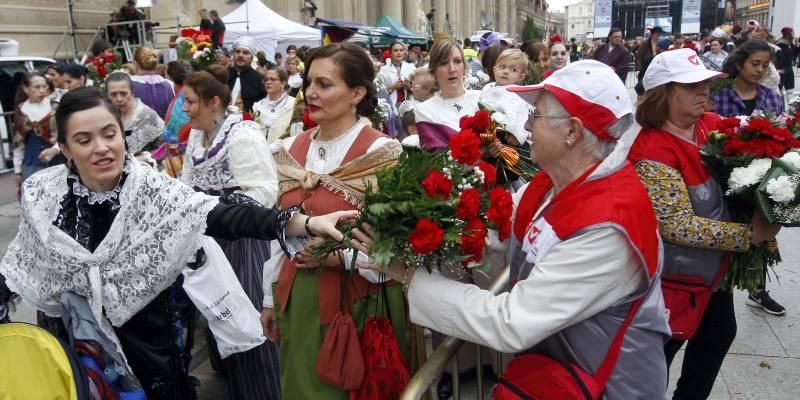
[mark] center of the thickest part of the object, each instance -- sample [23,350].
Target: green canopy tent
[403,34]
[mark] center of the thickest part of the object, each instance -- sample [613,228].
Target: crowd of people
[276,152]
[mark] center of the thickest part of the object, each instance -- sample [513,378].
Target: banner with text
[690,18]
[602,18]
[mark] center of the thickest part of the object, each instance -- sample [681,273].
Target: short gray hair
[590,143]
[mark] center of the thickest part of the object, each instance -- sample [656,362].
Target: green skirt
[302,335]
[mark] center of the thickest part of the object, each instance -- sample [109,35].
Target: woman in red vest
[323,169]
[694,220]
[585,254]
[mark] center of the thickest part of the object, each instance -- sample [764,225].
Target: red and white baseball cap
[589,90]
[681,66]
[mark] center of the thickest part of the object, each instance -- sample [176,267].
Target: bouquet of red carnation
[99,67]
[755,161]
[489,125]
[434,210]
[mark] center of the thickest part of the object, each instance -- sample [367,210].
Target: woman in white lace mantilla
[119,234]
[229,157]
[274,112]
[142,126]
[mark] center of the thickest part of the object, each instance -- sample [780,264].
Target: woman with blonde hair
[295,78]
[148,85]
[438,117]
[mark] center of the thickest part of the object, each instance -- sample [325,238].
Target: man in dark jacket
[245,82]
[785,58]
[647,50]
[217,29]
[614,54]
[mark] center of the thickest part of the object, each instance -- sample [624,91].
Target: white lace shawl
[155,233]
[146,126]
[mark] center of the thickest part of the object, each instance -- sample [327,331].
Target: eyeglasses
[533,115]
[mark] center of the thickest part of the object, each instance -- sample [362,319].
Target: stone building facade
[40,25]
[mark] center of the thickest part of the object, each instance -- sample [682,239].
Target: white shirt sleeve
[253,168]
[577,279]
[18,156]
[272,269]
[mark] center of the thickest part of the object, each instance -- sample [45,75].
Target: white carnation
[197,55]
[792,158]
[782,189]
[500,118]
[743,177]
[413,141]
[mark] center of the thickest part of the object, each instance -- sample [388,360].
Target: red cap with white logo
[681,66]
[589,90]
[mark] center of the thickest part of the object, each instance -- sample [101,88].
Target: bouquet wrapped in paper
[755,161]
[196,48]
[433,210]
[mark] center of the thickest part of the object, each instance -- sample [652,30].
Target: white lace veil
[155,233]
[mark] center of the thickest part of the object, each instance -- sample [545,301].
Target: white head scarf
[245,42]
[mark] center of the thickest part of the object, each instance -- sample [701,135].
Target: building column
[441,9]
[410,16]
[502,15]
[392,8]
[453,14]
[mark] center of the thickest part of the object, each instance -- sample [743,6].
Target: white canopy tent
[271,31]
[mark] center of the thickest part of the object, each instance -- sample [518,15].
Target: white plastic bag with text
[217,293]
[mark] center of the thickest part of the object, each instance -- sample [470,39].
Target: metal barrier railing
[427,374]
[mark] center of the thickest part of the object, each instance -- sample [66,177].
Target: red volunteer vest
[320,201]
[618,200]
[666,148]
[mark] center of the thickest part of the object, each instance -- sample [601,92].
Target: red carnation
[728,125]
[489,174]
[465,147]
[501,206]
[481,121]
[473,240]
[469,204]
[426,238]
[247,117]
[758,125]
[308,123]
[437,185]
[465,122]
[504,230]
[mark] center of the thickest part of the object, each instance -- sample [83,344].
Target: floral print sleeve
[678,223]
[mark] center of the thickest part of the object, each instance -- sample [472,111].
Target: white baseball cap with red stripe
[681,66]
[588,90]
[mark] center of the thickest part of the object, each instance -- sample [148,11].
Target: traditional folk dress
[237,166]
[33,133]
[143,131]
[123,250]
[154,91]
[274,116]
[438,118]
[325,177]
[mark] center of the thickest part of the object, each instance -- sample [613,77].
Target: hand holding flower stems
[322,226]
[762,230]
[362,240]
